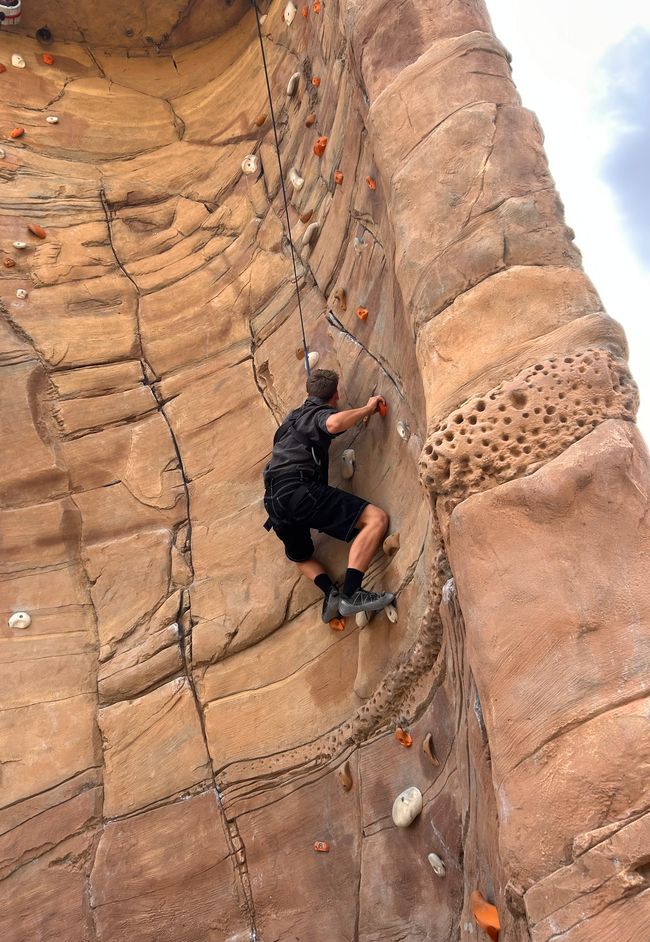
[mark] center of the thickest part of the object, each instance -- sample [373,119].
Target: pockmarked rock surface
[178,729]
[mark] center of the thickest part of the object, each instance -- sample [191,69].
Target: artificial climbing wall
[178,726]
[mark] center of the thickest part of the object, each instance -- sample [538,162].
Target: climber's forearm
[341,421]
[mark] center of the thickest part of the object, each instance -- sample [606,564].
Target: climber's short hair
[322,383]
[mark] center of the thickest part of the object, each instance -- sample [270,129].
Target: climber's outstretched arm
[341,421]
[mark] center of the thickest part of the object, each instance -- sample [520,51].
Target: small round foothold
[37,230]
[250,164]
[9,262]
[319,146]
[407,806]
[17,61]
[292,87]
[403,430]
[321,847]
[372,183]
[260,119]
[21,294]
[315,81]
[429,751]
[391,614]
[310,120]
[52,119]
[47,58]
[338,177]
[347,464]
[362,619]
[313,358]
[310,233]
[337,624]
[20,245]
[362,313]
[437,864]
[20,620]
[403,737]
[344,775]
[391,544]
[289,13]
[295,179]
[305,217]
[16,133]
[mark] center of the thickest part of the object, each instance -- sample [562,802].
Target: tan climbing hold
[428,749]
[9,262]
[260,119]
[52,119]
[319,146]
[338,177]
[337,624]
[47,58]
[3,68]
[315,81]
[292,86]
[310,234]
[347,464]
[310,120]
[362,619]
[37,230]
[299,353]
[341,298]
[372,183]
[403,737]
[289,13]
[438,866]
[322,847]
[20,620]
[362,313]
[21,294]
[391,544]
[296,181]
[391,614]
[20,245]
[306,216]
[312,358]
[16,133]
[17,61]
[486,915]
[2,153]
[344,775]
[250,164]
[407,806]
[403,430]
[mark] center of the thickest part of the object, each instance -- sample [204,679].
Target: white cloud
[560,54]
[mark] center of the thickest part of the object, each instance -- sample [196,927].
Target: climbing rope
[284,192]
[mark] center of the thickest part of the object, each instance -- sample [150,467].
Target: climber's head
[324,384]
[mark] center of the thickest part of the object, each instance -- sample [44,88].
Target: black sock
[353,580]
[324,583]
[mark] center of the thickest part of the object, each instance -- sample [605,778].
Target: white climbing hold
[20,620]
[2,153]
[290,12]
[292,87]
[313,359]
[52,119]
[20,245]
[21,294]
[347,464]
[391,544]
[17,61]
[310,233]
[250,164]
[391,614]
[295,179]
[407,806]
[362,619]
[403,430]
[437,864]
[359,245]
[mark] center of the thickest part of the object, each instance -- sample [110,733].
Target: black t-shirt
[302,442]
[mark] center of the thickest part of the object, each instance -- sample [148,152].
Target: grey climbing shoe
[364,601]
[331,605]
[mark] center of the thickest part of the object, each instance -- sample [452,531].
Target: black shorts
[295,508]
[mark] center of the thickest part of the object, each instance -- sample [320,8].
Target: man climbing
[298,497]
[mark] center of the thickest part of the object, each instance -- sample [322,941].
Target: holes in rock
[472,420]
[550,410]
[480,406]
[449,436]
[518,398]
[521,439]
[507,420]
[428,449]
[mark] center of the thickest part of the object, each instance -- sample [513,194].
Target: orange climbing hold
[315,81]
[372,183]
[319,146]
[322,847]
[486,915]
[362,313]
[305,12]
[306,216]
[338,177]
[383,409]
[260,119]
[37,230]
[47,58]
[17,132]
[403,738]
[3,67]
[337,624]
[9,262]
[310,120]
[316,6]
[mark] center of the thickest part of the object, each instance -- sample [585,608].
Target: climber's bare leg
[372,526]
[311,568]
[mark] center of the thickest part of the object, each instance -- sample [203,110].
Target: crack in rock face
[186,750]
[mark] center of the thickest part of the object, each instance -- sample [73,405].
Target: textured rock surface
[173,720]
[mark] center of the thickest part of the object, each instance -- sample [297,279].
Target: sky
[583,66]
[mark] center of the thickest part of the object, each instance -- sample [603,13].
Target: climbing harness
[284,192]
